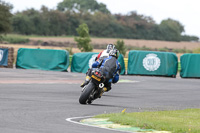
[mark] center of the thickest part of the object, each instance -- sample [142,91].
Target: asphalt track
[34,101]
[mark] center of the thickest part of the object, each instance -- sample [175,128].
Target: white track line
[75,122]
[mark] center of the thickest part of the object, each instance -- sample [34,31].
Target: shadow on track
[118,96]
[115,106]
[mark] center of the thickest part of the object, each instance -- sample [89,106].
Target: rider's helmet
[114,53]
[110,47]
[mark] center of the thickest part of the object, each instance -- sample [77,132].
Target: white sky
[187,12]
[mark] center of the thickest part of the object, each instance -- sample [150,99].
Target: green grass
[165,49]
[38,36]
[15,39]
[196,50]
[179,121]
[179,66]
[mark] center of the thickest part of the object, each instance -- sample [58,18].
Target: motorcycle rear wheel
[86,93]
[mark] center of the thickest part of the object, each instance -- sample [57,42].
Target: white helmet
[110,47]
[114,53]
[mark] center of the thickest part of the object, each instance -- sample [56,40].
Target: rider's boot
[87,79]
[103,90]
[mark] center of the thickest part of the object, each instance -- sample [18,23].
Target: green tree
[5,17]
[22,24]
[135,25]
[83,41]
[121,47]
[171,30]
[26,22]
[102,23]
[189,38]
[43,22]
[57,22]
[82,6]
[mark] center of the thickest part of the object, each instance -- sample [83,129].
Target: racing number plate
[94,77]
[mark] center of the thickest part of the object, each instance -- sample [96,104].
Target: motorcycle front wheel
[86,93]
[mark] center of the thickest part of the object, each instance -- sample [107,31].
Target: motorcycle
[93,89]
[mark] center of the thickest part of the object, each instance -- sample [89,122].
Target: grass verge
[38,36]
[178,121]
[15,39]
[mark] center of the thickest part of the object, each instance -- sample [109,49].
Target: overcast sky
[187,12]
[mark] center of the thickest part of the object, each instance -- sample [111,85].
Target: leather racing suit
[110,68]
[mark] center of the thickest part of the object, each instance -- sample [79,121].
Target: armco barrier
[44,59]
[82,61]
[190,66]
[152,63]
[6,57]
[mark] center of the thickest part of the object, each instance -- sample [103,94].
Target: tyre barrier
[43,59]
[190,66]
[152,63]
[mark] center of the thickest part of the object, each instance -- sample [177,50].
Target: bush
[83,41]
[165,49]
[182,51]
[70,50]
[121,47]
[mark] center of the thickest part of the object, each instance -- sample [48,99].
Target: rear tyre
[86,93]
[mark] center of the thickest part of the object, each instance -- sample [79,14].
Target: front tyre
[86,93]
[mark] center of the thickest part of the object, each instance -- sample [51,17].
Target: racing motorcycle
[93,89]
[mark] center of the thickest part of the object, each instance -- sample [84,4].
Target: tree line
[5,17]
[71,13]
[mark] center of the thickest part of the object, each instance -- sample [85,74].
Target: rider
[105,53]
[102,55]
[110,68]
